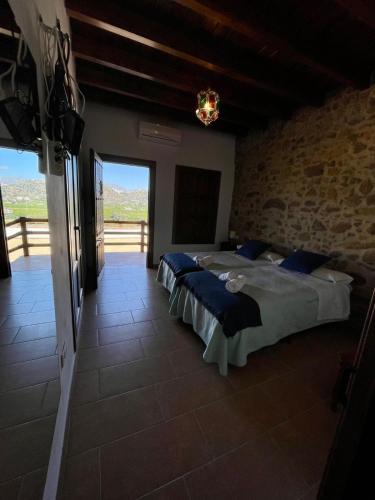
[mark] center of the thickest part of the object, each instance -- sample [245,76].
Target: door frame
[5,267]
[76,311]
[151,165]
[347,461]
[91,275]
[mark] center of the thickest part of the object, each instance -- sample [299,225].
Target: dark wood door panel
[195,205]
[99,211]
[74,237]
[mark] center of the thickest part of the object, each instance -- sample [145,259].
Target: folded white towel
[204,261]
[231,275]
[236,284]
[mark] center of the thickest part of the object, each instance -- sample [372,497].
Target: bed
[289,302]
[223,262]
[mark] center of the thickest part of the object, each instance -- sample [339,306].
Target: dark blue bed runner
[235,311]
[180,263]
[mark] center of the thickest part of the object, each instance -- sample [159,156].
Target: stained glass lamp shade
[208,106]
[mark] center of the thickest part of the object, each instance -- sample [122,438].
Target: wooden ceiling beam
[137,84]
[259,35]
[129,60]
[362,10]
[130,86]
[156,112]
[159,37]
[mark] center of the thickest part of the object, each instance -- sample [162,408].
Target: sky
[125,176]
[19,164]
[25,165]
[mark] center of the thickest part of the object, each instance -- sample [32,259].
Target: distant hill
[17,189]
[125,204]
[25,197]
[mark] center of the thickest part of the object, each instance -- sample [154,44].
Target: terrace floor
[29,378]
[151,420]
[32,263]
[130,259]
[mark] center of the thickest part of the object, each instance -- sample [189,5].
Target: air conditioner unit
[158,133]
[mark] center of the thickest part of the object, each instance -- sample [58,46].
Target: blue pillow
[252,249]
[304,262]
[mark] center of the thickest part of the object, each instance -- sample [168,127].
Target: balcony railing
[118,232]
[23,233]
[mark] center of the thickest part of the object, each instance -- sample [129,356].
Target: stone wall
[310,182]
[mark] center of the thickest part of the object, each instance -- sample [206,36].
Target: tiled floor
[151,420]
[29,384]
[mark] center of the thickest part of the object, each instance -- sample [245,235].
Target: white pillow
[330,275]
[278,261]
[272,256]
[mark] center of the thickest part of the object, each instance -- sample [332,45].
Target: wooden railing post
[25,243]
[142,236]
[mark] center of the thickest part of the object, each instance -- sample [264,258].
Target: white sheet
[289,303]
[166,276]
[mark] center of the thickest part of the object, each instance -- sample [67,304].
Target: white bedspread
[333,298]
[289,303]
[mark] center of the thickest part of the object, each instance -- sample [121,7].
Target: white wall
[115,131]
[27,13]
